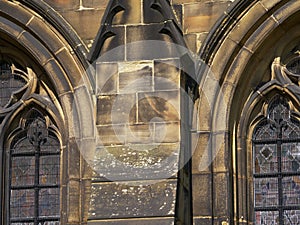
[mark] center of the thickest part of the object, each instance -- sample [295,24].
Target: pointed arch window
[276,166]
[34,168]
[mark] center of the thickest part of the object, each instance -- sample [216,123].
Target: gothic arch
[240,50]
[43,42]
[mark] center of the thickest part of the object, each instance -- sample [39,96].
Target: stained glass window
[276,166]
[34,175]
[10,82]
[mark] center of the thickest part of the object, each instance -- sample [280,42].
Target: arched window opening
[34,174]
[276,166]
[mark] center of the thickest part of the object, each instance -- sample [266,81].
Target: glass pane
[22,171]
[291,190]
[23,146]
[265,132]
[291,131]
[51,145]
[290,157]
[49,202]
[267,218]
[49,169]
[9,83]
[265,158]
[22,204]
[291,217]
[265,192]
[279,111]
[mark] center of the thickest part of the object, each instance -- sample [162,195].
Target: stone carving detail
[105,30]
[285,77]
[15,85]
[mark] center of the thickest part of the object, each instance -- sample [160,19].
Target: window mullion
[280,190]
[36,184]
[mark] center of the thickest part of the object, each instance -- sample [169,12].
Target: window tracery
[276,166]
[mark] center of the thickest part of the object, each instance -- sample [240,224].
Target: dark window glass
[34,175]
[276,169]
[10,83]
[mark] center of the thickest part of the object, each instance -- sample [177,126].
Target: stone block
[145,42]
[95,4]
[116,109]
[61,83]
[151,15]
[115,200]
[76,78]
[15,11]
[159,106]
[135,77]
[64,5]
[202,221]
[106,78]
[241,29]
[38,26]
[191,40]
[221,194]
[131,14]
[39,51]
[111,135]
[166,74]
[140,134]
[136,162]
[202,192]
[73,201]
[167,132]
[201,160]
[73,159]
[113,48]
[85,22]
[220,152]
[200,17]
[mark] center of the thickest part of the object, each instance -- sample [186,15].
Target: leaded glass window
[34,196]
[276,166]
[11,82]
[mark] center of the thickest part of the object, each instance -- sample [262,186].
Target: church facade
[149,112]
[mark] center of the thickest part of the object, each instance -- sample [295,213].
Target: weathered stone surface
[81,21]
[111,135]
[132,199]
[135,78]
[132,13]
[200,17]
[221,194]
[147,43]
[116,109]
[166,74]
[95,3]
[151,15]
[158,106]
[136,161]
[106,78]
[64,5]
[167,132]
[113,48]
[202,221]
[202,205]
